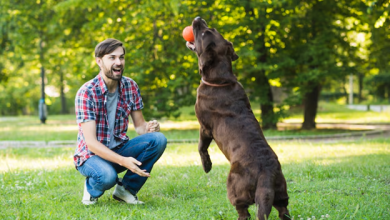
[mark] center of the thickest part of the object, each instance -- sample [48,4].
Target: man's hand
[89,130]
[133,165]
[152,126]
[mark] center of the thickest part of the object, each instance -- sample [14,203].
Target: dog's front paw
[206,162]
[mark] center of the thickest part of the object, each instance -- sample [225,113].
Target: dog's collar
[215,85]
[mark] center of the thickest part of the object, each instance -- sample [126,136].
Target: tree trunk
[345,91]
[64,108]
[266,103]
[266,98]
[310,103]
[360,96]
[388,94]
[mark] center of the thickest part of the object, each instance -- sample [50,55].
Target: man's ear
[231,51]
[98,61]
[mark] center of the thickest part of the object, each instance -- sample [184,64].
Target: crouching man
[103,106]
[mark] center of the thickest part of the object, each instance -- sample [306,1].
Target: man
[103,106]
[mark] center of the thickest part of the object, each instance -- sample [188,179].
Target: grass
[346,180]
[64,127]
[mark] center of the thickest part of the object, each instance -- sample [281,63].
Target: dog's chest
[216,105]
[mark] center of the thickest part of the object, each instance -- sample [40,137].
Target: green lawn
[346,180]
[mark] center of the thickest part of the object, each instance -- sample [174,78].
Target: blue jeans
[103,175]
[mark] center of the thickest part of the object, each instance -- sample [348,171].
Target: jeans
[102,175]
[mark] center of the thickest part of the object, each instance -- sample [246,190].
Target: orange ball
[188,34]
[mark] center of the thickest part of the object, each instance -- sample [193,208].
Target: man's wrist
[121,161]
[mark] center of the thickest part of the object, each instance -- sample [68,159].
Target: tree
[318,46]
[302,46]
[378,20]
[257,22]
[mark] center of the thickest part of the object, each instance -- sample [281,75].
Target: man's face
[112,64]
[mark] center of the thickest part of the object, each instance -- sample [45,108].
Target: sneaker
[121,194]
[87,198]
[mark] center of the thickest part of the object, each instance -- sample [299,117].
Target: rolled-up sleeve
[84,107]
[136,96]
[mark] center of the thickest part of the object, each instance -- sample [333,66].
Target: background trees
[303,48]
[378,80]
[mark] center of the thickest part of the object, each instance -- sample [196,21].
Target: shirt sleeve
[136,96]
[84,107]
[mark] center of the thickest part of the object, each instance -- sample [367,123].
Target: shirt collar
[103,85]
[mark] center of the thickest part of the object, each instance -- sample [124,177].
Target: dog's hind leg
[281,206]
[243,213]
[239,190]
[281,197]
[240,202]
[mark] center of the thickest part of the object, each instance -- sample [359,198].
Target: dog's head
[209,45]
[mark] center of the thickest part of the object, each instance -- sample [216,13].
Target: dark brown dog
[224,113]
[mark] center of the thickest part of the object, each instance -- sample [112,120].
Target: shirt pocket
[123,119]
[125,110]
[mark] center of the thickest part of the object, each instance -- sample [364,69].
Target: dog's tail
[264,195]
[271,192]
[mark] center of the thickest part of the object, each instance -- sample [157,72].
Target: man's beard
[109,73]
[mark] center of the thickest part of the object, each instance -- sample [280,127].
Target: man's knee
[109,179]
[106,178]
[160,141]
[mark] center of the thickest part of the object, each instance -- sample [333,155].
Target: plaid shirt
[90,104]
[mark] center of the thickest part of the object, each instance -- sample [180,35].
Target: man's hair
[107,46]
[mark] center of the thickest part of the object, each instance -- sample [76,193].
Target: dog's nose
[198,18]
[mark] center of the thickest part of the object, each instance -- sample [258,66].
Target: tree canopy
[301,48]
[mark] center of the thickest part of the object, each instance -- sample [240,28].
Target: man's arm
[141,126]
[89,132]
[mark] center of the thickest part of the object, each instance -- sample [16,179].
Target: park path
[371,130]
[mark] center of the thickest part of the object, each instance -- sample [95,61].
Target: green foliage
[291,44]
[379,86]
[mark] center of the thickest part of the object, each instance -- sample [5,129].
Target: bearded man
[103,106]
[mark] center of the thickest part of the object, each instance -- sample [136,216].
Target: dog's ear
[210,46]
[209,54]
[231,51]
[206,59]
